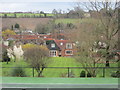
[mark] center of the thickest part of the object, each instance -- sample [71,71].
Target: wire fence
[64,71]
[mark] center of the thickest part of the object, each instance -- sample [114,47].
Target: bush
[89,75]
[116,74]
[82,74]
[19,72]
[71,74]
[5,57]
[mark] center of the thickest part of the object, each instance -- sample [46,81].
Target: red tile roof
[58,42]
[48,39]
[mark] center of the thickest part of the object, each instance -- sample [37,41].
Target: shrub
[89,75]
[19,72]
[17,26]
[116,74]
[71,74]
[5,57]
[82,74]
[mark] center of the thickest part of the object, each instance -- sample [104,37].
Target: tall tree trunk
[119,32]
[40,71]
[107,57]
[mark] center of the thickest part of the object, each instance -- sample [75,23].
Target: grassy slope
[59,62]
[55,62]
[55,72]
[69,20]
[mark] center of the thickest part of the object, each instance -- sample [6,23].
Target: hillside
[26,23]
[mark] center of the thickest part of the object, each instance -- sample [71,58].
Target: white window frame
[70,44]
[61,43]
[53,51]
[53,45]
[67,53]
[45,37]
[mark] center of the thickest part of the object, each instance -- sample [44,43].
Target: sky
[35,6]
[38,5]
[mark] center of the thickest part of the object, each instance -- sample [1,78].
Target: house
[36,39]
[58,48]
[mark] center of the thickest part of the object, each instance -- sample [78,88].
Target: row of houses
[58,47]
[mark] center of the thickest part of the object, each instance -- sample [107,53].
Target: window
[61,44]
[69,52]
[53,53]
[52,45]
[45,37]
[69,46]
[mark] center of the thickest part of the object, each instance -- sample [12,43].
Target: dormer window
[68,46]
[61,44]
[52,45]
[45,37]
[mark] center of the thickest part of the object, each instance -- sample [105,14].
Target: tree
[41,12]
[38,59]
[60,26]
[107,14]
[45,15]
[12,27]
[89,58]
[28,46]
[79,11]
[17,26]
[46,28]
[15,15]
[15,52]
[5,15]
[55,12]
[41,29]
[86,54]
[5,57]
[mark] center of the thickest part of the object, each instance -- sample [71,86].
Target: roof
[24,37]
[48,39]
[58,42]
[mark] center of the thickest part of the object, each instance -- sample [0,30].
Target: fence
[59,70]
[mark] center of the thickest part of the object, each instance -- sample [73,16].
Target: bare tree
[37,57]
[107,14]
[87,54]
[89,58]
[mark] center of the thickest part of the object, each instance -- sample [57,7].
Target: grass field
[25,15]
[56,72]
[70,20]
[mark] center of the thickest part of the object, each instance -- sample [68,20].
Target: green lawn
[60,80]
[70,20]
[55,72]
